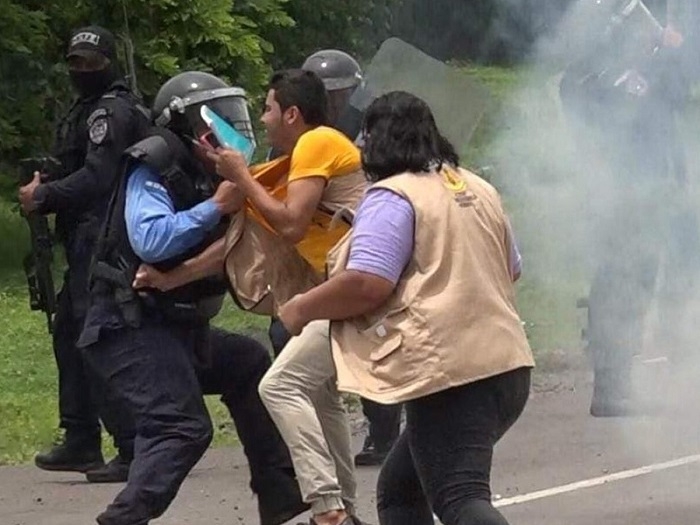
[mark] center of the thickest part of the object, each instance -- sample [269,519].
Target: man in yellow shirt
[342,75]
[299,391]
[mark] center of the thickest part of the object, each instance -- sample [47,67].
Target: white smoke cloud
[585,199]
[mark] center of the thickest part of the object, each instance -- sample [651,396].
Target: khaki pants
[300,393]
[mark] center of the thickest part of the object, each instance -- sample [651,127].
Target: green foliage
[15,237]
[28,86]
[27,404]
[169,36]
[354,26]
[500,83]
[240,40]
[210,35]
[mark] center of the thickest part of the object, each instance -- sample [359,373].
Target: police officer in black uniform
[103,121]
[626,91]
[154,349]
[341,75]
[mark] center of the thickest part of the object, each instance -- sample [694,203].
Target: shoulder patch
[98,130]
[100,112]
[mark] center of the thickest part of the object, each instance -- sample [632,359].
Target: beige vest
[266,271]
[451,319]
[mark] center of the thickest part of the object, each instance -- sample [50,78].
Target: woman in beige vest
[421,295]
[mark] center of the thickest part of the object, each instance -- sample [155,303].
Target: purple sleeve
[382,237]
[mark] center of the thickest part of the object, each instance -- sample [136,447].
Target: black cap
[93,39]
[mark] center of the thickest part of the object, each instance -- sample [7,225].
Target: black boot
[611,394]
[116,471]
[72,455]
[372,454]
[279,497]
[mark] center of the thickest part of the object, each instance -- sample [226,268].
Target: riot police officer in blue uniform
[154,349]
[105,119]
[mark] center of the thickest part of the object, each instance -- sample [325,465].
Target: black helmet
[178,102]
[592,22]
[337,69]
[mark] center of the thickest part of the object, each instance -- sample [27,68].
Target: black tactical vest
[115,262]
[72,138]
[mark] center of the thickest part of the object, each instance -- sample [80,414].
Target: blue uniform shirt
[156,231]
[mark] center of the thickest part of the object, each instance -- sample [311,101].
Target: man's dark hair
[400,136]
[303,89]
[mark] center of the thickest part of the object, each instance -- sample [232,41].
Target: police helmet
[600,15]
[178,102]
[337,69]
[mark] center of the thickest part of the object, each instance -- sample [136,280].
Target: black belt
[199,310]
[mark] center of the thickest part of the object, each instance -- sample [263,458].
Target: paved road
[557,466]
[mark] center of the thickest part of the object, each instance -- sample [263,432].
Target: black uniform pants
[149,370]
[77,411]
[442,461]
[81,401]
[384,423]
[235,366]
[645,233]
[159,372]
[384,420]
[619,298]
[642,227]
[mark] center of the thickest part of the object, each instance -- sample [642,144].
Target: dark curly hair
[400,135]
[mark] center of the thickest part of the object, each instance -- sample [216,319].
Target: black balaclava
[94,39]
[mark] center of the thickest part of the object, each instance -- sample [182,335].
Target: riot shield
[456,100]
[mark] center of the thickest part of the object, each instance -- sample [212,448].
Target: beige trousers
[299,391]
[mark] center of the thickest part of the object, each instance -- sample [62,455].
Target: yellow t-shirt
[327,153]
[320,152]
[324,152]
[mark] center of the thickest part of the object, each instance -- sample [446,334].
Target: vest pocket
[385,347]
[384,335]
[382,351]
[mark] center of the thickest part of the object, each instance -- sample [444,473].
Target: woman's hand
[291,316]
[148,277]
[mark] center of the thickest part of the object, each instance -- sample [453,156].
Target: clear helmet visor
[231,104]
